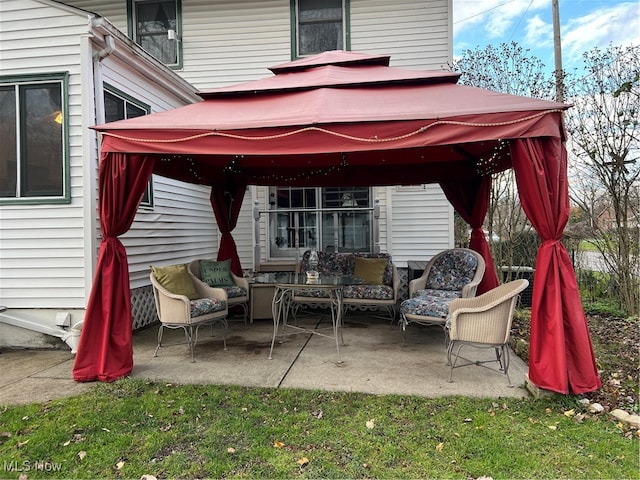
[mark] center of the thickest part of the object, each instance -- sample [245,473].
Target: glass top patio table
[301,280]
[286,283]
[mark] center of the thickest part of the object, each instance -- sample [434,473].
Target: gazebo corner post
[256,236]
[376,225]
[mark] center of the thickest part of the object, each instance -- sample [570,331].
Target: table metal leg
[279,307]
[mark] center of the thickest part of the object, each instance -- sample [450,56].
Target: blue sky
[584,24]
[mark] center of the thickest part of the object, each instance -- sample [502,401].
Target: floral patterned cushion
[234,291]
[368,292]
[204,306]
[438,293]
[426,306]
[452,271]
[330,263]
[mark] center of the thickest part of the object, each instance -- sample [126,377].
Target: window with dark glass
[319,26]
[32,149]
[118,106]
[156,28]
[330,219]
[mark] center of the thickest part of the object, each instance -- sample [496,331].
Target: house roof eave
[143,62]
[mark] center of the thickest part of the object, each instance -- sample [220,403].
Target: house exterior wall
[42,247]
[48,251]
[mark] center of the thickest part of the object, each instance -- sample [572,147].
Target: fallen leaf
[303,461]
[147,476]
[371,423]
[22,444]
[82,454]
[569,413]
[439,447]
[278,444]
[105,429]
[67,443]
[552,427]
[231,450]
[468,420]
[119,465]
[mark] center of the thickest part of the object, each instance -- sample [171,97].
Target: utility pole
[557,51]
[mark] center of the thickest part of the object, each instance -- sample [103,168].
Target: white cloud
[538,32]
[496,17]
[617,25]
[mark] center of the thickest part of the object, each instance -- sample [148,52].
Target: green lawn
[132,428]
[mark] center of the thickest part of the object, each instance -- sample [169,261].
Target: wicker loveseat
[381,281]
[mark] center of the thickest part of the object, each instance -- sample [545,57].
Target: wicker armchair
[454,273]
[237,294]
[483,322]
[179,311]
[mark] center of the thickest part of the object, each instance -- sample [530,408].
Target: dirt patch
[616,345]
[249,346]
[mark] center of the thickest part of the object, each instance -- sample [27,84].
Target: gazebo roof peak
[333,69]
[332,57]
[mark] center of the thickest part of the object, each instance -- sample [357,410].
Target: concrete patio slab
[374,361]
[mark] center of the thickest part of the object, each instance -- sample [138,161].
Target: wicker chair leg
[155,354]
[189,335]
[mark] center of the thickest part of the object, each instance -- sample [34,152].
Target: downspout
[107,50]
[70,337]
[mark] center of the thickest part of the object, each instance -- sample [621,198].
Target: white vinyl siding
[48,251]
[415,33]
[42,246]
[422,223]
[181,225]
[224,42]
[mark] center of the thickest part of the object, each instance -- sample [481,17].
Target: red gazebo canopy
[347,118]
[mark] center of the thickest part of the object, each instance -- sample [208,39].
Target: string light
[489,166]
[234,167]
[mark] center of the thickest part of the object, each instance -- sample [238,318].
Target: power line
[520,21]
[485,11]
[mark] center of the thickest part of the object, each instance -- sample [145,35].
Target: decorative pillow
[370,269]
[176,279]
[216,274]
